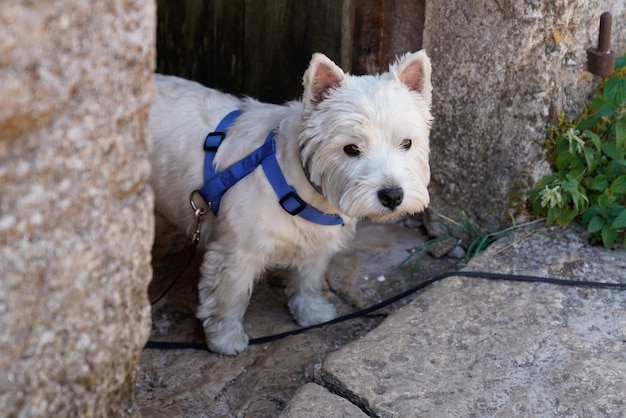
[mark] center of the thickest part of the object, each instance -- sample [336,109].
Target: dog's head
[364,141]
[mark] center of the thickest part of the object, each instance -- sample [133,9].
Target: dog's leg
[304,288]
[224,291]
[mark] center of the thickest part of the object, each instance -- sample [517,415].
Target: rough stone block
[313,401]
[76,222]
[503,70]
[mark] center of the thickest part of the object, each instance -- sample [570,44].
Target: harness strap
[216,184]
[211,144]
[289,199]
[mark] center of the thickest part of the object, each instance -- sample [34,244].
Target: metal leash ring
[200,208]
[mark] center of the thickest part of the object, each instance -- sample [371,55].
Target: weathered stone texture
[314,401]
[76,219]
[477,347]
[502,70]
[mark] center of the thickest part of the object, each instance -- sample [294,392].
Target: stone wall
[76,220]
[503,70]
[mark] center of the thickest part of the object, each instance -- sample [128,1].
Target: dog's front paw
[311,310]
[226,337]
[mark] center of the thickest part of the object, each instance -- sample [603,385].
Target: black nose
[391,198]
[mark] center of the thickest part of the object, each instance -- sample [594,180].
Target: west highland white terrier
[354,147]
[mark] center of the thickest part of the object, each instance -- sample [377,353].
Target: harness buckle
[286,199]
[210,144]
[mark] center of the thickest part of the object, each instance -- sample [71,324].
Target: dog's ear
[320,78]
[414,71]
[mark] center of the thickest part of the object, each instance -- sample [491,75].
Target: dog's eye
[406,144]
[352,150]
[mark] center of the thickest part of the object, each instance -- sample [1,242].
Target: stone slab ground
[462,347]
[260,381]
[478,347]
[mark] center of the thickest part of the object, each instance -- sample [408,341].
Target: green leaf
[576,173]
[614,210]
[594,138]
[605,201]
[595,225]
[587,124]
[591,158]
[608,236]
[615,90]
[591,212]
[605,110]
[566,216]
[537,208]
[598,102]
[582,203]
[566,160]
[619,185]
[620,221]
[571,185]
[599,183]
[611,150]
[614,169]
[544,181]
[620,62]
[552,215]
[562,144]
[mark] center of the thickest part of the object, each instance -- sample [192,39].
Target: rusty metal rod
[604,36]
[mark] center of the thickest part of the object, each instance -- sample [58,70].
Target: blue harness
[216,184]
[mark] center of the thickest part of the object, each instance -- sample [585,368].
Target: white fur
[252,232]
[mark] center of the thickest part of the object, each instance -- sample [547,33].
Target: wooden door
[261,48]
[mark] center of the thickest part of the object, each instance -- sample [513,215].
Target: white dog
[353,148]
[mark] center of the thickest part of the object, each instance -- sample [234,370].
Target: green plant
[589,179]
[465,233]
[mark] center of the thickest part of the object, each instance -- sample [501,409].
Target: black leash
[162,345]
[192,255]
[200,208]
